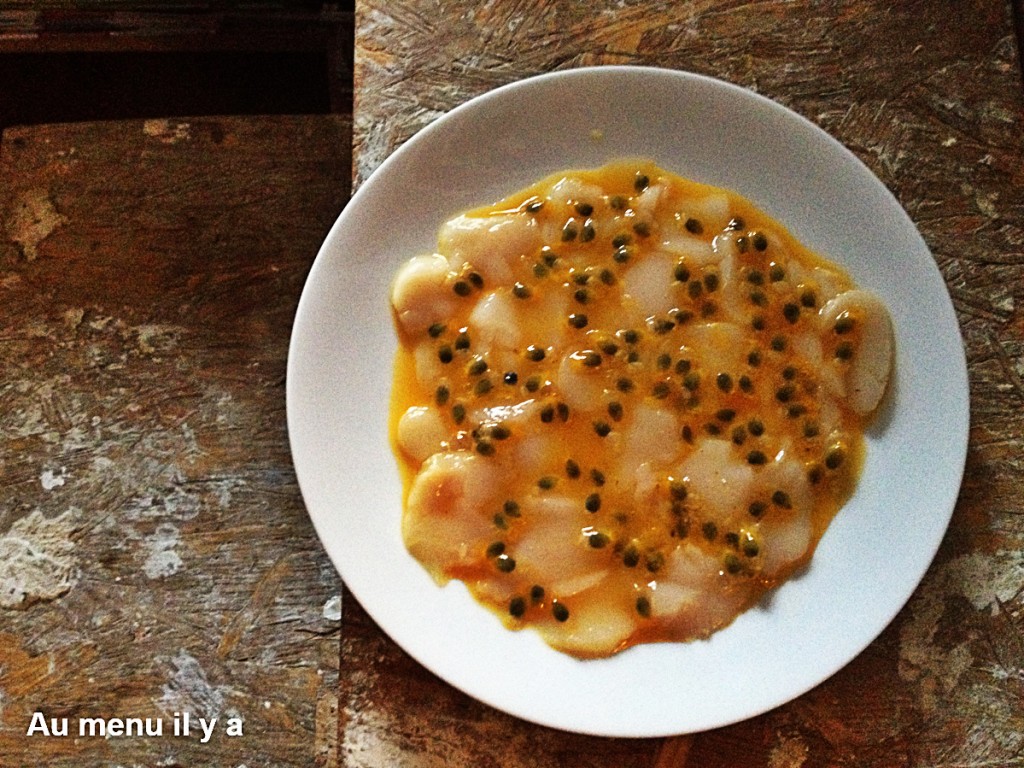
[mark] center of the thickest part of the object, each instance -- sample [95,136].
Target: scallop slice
[553,551]
[785,528]
[865,373]
[649,283]
[489,245]
[593,629]
[443,523]
[421,432]
[420,293]
[720,478]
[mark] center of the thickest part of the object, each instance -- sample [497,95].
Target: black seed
[435,330]
[602,428]
[641,182]
[597,540]
[584,209]
[560,612]
[483,386]
[588,233]
[691,381]
[642,228]
[458,412]
[643,606]
[445,354]
[781,499]
[725,414]
[681,273]
[462,288]
[654,561]
[687,433]
[624,385]
[811,429]
[759,298]
[844,323]
[547,414]
[677,490]
[441,394]
[592,502]
[757,508]
[499,432]
[746,384]
[569,231]
[695,288]
[778,343]
[485,448]
[739,434]
[615,410]
[756,457]
[758,323]
[517,607]
[617,202]
[535,353]
[735,224]
[724,382]
[547,482]
[631,556]
[578,320]
[572,469]
[511,377]
[754,358]
[785,393]
[533,384]
[606,276]
[476,367]
[776,273]
[844,351]
[621,255]
[597,476]
[755,277]
[496,548]
[511,508]
[536,593]
[660,390]
[462,341]
[709,530]
[476,280]
[834,458]
[664,361]
[791,312]
[521,291]
[693,226]
[505,564]
[808,299]
[711,282]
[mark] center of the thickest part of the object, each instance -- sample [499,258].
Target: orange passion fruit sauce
[626,405]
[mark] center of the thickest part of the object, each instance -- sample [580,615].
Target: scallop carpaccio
[626,405]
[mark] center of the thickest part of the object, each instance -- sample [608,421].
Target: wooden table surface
[930,98]
[155,555]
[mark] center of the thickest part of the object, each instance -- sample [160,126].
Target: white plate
[339,376]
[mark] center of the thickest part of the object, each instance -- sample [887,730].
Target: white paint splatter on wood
[37,559]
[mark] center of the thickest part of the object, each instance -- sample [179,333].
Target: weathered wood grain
[155,556]
[932,101]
